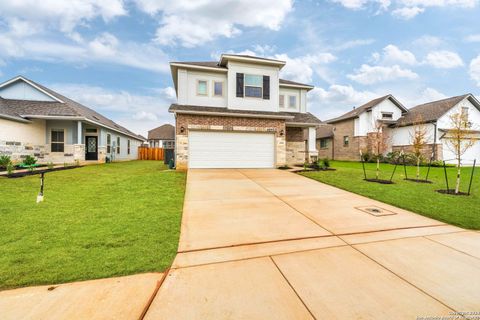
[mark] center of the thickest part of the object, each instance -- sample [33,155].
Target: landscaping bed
[421,198]
[36,171]
[97,221]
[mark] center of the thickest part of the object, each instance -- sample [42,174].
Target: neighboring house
[353,129]
[37,121]
[162,137]
[435,119]
[238,113]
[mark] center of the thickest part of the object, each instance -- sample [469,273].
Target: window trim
[390,114]
[346,142]
[118,145]
[206,89]
[57,143]
[245,86]
[213,88]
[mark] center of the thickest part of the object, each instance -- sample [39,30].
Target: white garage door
[471,154]
[209,149]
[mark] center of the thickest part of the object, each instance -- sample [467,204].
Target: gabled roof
[165,132]
[325,131]
[366,107]
[293,118]
[432,111]
[69,109]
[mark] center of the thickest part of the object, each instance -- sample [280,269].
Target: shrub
[29,161]
[10,167]
[77,163]
[326,163]
[4,161]
[50,165]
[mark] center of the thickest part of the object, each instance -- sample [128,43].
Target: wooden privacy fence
[146,153]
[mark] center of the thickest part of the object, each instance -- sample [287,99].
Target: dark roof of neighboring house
[430,111]
[365,107]
[165,132]
[324,131]
[23,109]
[290,117]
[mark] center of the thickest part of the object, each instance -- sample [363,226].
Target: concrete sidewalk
[268,244]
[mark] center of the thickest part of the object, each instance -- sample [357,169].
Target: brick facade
[186,122]
[325,152]
[426,150]
[350,152]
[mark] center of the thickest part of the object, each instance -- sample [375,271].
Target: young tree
[459,139]
[418,139]
[378,141]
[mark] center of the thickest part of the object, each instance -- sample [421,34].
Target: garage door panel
[209,149]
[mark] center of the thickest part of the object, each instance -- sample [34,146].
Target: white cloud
[440,3]
[192,23]
[407,12]
[303,68]
[443,59]
[137,112]
[352,4]
[427,41]
[474,70]
[392,54]
[64,15]
[473,38]
[353,44]
[373,74]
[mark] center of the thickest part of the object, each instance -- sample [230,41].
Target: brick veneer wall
[240,124]
[346,128]
[325,152]
[426,150]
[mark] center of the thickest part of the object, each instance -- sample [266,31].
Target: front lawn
[463,211]
[96,221]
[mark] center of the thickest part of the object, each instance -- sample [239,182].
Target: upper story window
[57,140]
[253,86]
[202,87]
[292,101]
[465,112]
[218,88]
[281,101]
[109,143]
[118,145]
[387,115]
[346,141]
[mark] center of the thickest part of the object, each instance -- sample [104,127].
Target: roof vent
[95,117]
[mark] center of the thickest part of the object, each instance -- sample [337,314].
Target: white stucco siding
[403,136]
[123,155]
[287,93]
[26,133]
[21,90]
[367,120]
[188,82]
[247,103]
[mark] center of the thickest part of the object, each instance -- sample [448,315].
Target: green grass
[96,221]
[463,211]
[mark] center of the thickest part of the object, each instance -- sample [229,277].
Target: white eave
[297,86]
[272,62]
[197,67]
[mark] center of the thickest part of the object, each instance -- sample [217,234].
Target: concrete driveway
[268,244]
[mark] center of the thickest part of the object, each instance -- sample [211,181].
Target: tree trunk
[418,168]
[377,173]
[457,185]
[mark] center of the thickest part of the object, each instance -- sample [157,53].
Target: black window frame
[59,145]
[118,145]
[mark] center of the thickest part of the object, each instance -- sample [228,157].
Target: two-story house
[238,113]
[343,138]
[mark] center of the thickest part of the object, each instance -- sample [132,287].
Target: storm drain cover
[376,211]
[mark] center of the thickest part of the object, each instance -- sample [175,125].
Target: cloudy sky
[113,55]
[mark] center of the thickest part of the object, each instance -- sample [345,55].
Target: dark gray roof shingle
[357,111]
[290,117]
[430,111]
[165,132]
[324,131]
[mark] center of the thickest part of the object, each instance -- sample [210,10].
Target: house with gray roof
[37,121]
[162,137]
[238,113]
[343,137]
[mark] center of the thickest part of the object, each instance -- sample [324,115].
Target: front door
[91,152]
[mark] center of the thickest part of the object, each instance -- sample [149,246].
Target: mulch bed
[29,173]
[452,192]
[418,180]
[380,181]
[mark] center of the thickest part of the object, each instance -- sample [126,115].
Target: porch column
[79,132]
[312,137]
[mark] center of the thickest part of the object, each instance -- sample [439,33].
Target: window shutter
[266,87]
[240,85]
